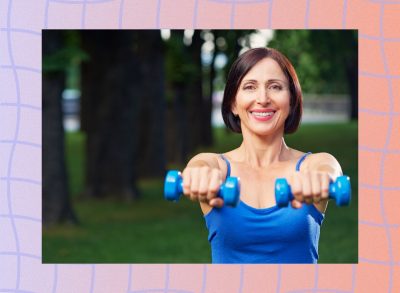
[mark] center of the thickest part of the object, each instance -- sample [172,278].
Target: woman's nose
[263,97]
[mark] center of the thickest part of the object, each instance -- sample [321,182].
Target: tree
[56,197]
[122,110]
[325,60]
[189,122]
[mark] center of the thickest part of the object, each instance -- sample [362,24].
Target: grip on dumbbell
[173,188]
[340,191]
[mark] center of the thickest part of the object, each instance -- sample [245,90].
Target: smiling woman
[262,101]
[279,77]
[266,84]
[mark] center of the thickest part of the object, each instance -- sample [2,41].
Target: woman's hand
[202,184]
[309,187]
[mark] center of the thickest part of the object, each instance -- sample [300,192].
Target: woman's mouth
[262,115]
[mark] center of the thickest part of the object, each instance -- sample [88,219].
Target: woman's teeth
[262,114]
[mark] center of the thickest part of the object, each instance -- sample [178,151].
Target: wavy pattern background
[21,22]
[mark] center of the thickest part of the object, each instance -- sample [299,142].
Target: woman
[262,101]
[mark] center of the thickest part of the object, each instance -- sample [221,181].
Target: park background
[21,147]
[118,114]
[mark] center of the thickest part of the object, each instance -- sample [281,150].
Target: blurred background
[122,107]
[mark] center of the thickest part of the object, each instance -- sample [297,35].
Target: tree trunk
[150,91]
[123,110]
[56,198]
[108,114]
[194,93]
[351,72]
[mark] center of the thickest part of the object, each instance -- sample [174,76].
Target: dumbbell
[339,190]
[173,188]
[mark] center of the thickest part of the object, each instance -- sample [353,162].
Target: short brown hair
[241,67]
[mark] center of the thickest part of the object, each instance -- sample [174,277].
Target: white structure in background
[316,109]
[71,109]
[326,108]
[216,116]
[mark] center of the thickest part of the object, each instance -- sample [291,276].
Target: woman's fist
[309,187]
[202,184]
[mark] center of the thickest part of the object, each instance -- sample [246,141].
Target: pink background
[378,23]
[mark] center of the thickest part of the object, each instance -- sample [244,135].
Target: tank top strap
[228,173]
[301,160]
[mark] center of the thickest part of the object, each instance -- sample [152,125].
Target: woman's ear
[233,109]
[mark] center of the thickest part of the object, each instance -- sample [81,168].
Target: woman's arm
[311,184]
[202,179]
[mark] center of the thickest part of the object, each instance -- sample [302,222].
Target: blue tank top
[245,234]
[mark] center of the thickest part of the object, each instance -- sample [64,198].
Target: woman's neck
[262,151]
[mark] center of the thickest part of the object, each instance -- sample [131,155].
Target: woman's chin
[263,130]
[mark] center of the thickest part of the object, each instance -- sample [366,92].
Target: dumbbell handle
[173,188]
[339,190]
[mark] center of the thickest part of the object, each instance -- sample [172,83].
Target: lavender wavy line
[375,150]
[19,179]
[21,30]
[81,1]
[353,277]
[23,68]
[378,38]
[15,291]
[22,217]
[344,16]
[378,75]
[83,15]
[378,187]
[166,284]
[385,2]
[278,283]
[204,282]
[129,278]
[241,278]
[240,1]
[374,112]
[379,262]
[316,275]
[158,14]
[307,14]
[121,13]
[367,223]
[13,146]
[92,278]
[55,279]
[233,13]
[27,143]
[19,105]
[161,291]
[271,5]
[27,255]
[318,290]
[389,131]
[195,12]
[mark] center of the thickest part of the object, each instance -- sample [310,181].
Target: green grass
[149,230]
[152,230]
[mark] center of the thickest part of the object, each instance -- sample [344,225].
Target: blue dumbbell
[340,191]
[229,190]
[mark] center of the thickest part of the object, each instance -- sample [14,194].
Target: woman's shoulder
[310,156]
[322,157]
[214,160]
[322,160]
[206,156]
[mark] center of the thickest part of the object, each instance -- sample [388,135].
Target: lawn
[152,230]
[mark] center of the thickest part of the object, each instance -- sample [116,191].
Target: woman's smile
[262,115]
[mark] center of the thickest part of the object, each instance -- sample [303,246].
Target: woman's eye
[249,87]
[275,87]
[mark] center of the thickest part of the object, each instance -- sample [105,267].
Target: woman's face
[263,99]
